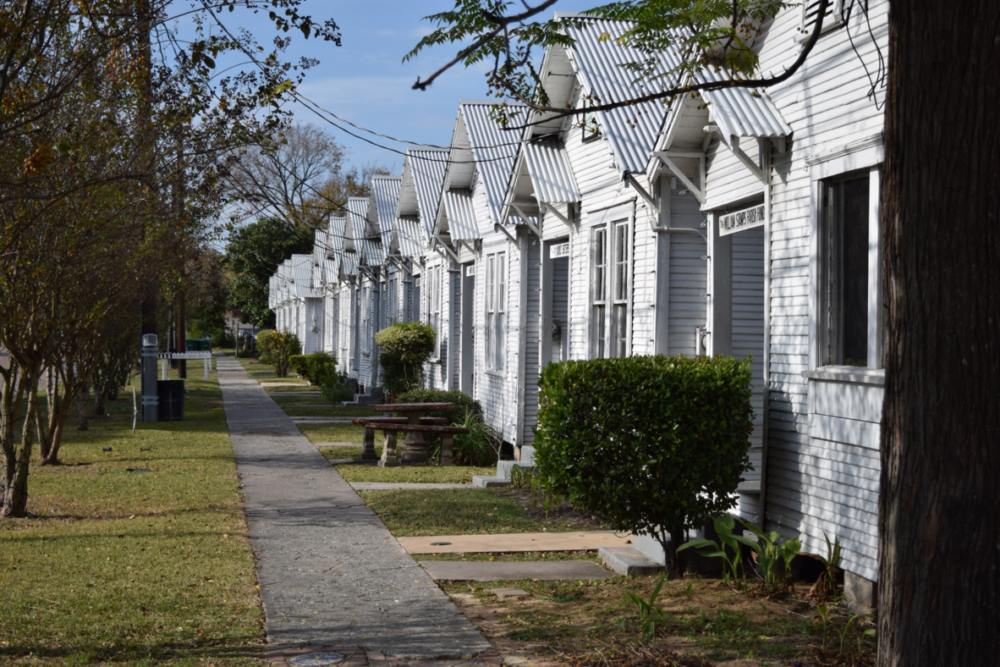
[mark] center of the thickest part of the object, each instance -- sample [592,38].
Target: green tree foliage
[283,346]
[404,348]
[711,35]
[655,445]
[253,255]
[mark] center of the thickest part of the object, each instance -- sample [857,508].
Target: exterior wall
[822,460]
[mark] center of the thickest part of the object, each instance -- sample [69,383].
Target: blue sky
[366,82]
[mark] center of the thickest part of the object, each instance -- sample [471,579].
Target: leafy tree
[253,255]
[653,445]
[404,348]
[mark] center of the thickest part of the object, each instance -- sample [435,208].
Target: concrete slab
[330,572]
[337,462]
[509,592]
[515,543]
[392,486]
[451,570]
[629,562]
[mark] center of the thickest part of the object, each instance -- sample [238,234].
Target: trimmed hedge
[655,445]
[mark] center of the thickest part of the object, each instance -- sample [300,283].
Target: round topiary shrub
[404,347]
[654,445]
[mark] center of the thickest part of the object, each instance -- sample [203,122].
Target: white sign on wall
[737,221]
[559,250]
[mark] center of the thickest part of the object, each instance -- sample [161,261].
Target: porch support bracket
[527,221]
[554,211]
[497,227]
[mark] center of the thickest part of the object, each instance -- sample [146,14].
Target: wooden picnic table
[415,446]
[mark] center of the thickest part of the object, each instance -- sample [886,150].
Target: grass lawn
[370,473]
[466,512]
[132,568]
[595,623]
[332,432]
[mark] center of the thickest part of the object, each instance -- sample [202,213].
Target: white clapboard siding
[727,180]
[823,437]
[532,343]
[688,274]
[748,326]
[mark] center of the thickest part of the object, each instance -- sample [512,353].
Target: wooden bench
[391,429]
[368,442]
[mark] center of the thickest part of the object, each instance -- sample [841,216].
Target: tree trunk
[15,497]
[939,561]
[99,394]
[83,409]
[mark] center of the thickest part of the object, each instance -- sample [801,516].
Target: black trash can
[171,398]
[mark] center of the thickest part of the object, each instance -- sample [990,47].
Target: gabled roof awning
[461,215]
[551,173]
[385,190]
[408,233]
[423,174]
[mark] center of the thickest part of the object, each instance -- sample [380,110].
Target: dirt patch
[704,623]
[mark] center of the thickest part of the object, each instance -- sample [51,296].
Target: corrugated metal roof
[366,240]
[550,171]
[741,112]
[349,264]
[338,234]
[493,148]
[302,276]
[632,130]
[461,215]
[428,167]
[408,228]
[386,192]
[331,270]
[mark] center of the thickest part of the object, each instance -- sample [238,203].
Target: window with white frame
[365,309]
[850,304]
[610,291]
[496,309]
[415,299]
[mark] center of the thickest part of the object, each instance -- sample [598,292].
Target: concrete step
[629,561]
[502,478]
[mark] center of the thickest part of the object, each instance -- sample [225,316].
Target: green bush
[464,404]
[653,445]
[282,347]
[264,343]
[404,347]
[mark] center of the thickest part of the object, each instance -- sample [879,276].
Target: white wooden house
[591,260]
[741,222]
[479,275]
[416,208]
[367,291]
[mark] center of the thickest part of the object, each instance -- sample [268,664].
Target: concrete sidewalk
[330,572]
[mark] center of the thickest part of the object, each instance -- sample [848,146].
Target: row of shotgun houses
[738,222]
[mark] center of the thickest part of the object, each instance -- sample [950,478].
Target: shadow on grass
[138,653]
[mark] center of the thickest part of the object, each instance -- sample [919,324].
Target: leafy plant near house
[404,348]
[826,586]
[727,548]
[774,555]
[655,445]
[480,446]
[283,346]
[649,614]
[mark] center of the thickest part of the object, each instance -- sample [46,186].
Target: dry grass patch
[594,623]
